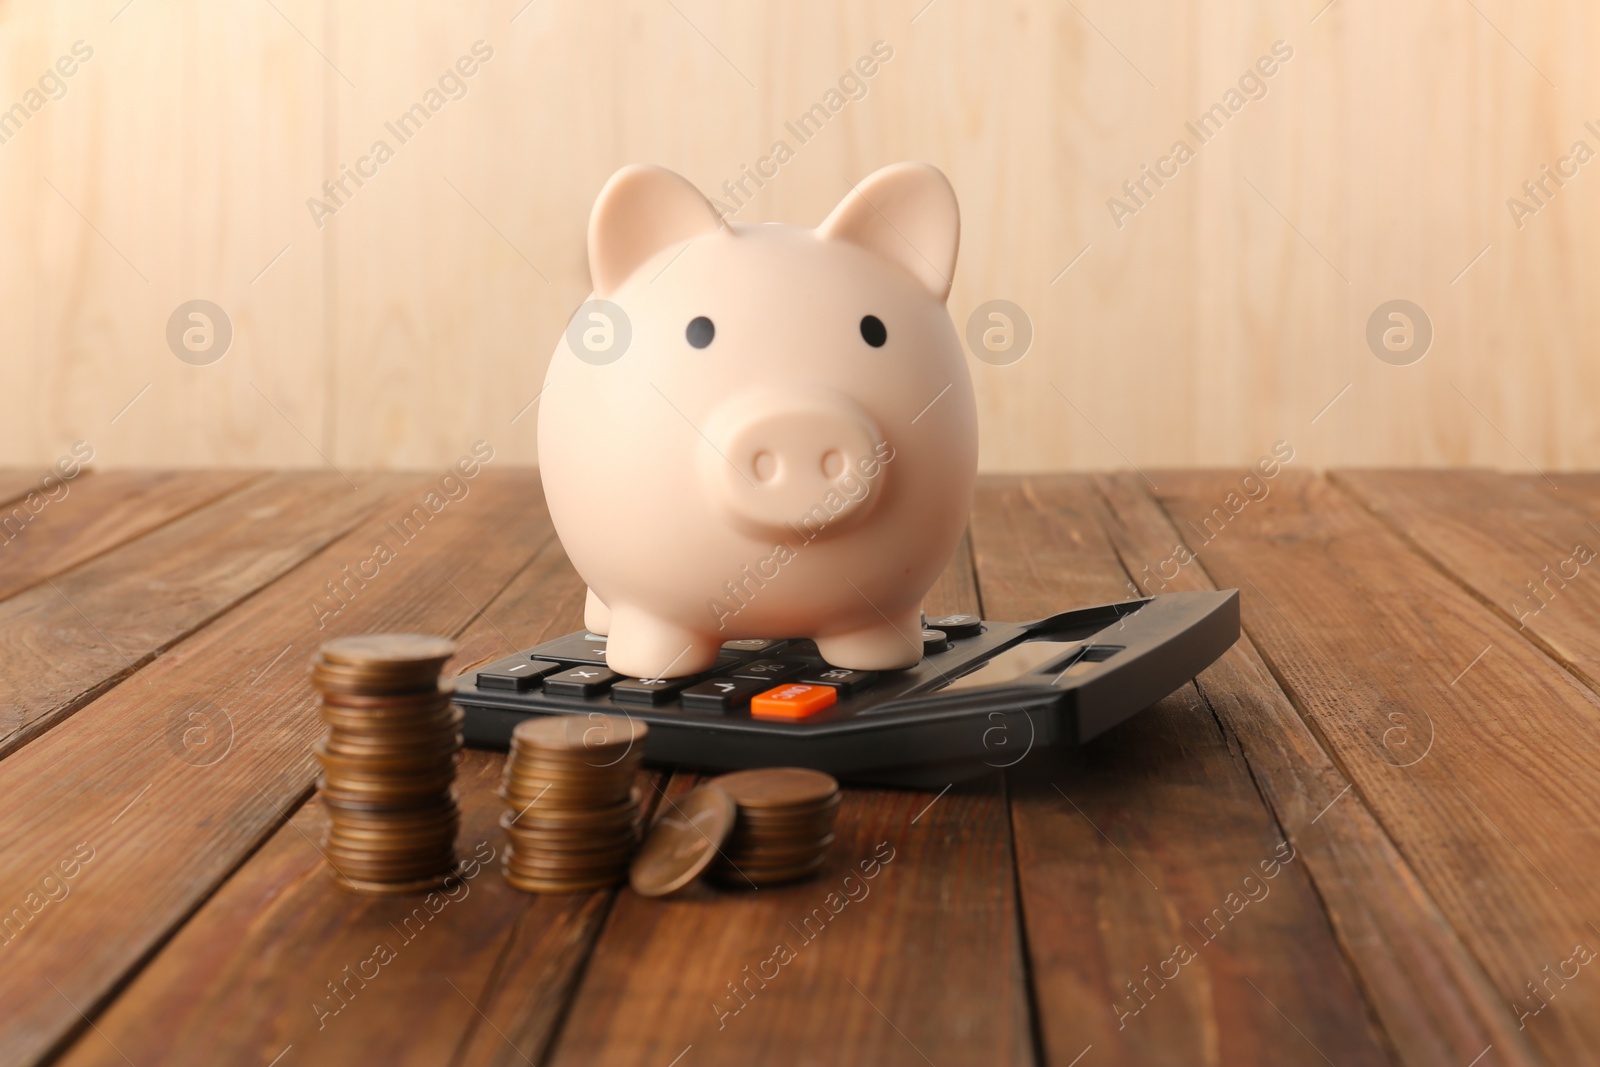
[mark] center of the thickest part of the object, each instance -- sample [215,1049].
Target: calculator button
[957,627]
[934,642]
[751,644]
[721,694]
[516,676]
[771,670]
[793,701]
[581,647]
[585,681]
[847,682]
[648,690]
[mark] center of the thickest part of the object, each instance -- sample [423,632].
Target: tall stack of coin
[783,828]
[388,761]
[572,816]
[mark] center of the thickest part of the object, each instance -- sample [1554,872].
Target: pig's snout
[802,460]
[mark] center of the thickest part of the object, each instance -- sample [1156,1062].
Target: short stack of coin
[388,761]
[572,817]
[784,825]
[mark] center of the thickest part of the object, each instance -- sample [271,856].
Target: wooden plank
[1435,1002]
[162,832]
[64,642]
[281,958]
[99,513]
[1522,547]
[925,961]
[1167,919]
[1470,761]
[242,976]
[16,484]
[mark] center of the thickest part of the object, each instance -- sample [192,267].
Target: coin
[345,807]
[540,885]
[573,805]
[388,761]
[778,856]
[349,685]
[766,876]
[683,842]
[792,812]
[417,885]
[389,649]
[777,787]
[556,865]
[582,733]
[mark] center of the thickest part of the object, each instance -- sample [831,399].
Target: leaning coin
[683,843]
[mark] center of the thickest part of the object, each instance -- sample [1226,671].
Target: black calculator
[987,695]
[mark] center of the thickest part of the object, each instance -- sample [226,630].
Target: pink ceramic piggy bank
[786,445]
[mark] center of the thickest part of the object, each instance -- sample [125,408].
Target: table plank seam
[284,817]
[161,936]
[1480,993]
[250,479]
[97,1008]
[1236,749]
[37,728]
[574,981]
[1020,930]
[1374,1019]
[1391,524]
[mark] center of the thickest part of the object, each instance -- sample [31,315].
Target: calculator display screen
[1014,662]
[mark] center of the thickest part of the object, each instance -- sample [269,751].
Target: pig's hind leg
[596,616]
[883,646]
[645,646]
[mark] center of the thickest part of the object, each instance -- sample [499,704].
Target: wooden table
[1368,835]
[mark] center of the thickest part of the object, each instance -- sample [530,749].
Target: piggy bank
[761,431]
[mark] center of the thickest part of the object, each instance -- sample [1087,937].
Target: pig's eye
[700,331]
[873,331]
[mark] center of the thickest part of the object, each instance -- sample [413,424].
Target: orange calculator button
[793,701]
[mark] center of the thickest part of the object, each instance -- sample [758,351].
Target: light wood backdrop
[1222,317]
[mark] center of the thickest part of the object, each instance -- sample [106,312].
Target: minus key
[519,677]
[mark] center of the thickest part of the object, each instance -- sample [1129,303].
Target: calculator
[986,695]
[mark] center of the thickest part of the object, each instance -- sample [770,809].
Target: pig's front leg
[644,646]
[596,616]
[889,645]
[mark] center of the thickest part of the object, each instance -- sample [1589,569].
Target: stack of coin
[783,828]
[388,761]
[572,816]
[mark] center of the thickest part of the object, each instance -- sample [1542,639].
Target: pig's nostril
[765,466]
[832,464]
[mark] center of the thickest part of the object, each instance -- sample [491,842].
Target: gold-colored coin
[683,842]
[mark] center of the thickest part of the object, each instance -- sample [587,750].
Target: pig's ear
[642,210]
[907,214]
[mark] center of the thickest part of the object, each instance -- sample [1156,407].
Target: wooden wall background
[1224,316]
